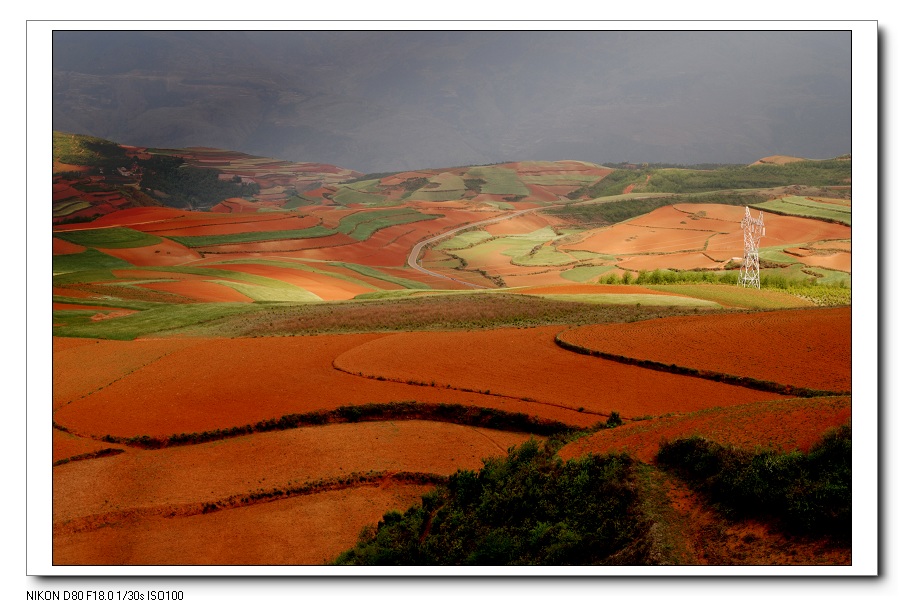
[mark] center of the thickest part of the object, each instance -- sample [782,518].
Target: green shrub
[809,493]
[528,508]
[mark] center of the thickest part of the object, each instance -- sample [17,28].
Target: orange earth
[161,387]
[805,348]
[784,425]
[62,247]
[540,370]
[125,509]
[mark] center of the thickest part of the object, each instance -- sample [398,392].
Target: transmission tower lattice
[754,229]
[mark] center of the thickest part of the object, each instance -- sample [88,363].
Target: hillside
[291,355]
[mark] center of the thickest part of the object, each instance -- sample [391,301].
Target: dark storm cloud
[380,101]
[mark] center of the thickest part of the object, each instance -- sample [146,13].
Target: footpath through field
[415,253]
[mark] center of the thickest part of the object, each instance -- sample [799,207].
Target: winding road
[415,253]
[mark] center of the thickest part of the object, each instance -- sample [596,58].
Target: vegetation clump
[808,493]
[528,508]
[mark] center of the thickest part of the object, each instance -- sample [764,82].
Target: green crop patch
[544,255]
[499,181]
[814,210]
[201,241]
[154,320]
[116,237]
[558,179]
[737,297]
[361,225]
[586,273]
[465,240]
[385,277]
[270,294]
[69,206]
[88,260]
[348,196]
[437,195]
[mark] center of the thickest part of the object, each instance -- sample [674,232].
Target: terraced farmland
[259,380]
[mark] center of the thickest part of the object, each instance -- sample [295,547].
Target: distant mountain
[378,101]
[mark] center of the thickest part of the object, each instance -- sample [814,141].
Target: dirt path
[415,253]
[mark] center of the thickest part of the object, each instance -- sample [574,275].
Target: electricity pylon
[754,229]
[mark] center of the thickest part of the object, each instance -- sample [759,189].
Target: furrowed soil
[166,387]
[209,472]
[274,533]
[806,348]
[782,425]
[539,370]
[128,509]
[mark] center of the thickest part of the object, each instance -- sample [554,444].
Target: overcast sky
[389,101]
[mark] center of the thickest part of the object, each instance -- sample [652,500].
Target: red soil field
[542,193]
[200,290]
[106,309]
[784,425]
[680,261]
[195,474]
[59,167]
[839,261]
[81,367]
[206,384]
[238,205]
[518,225]
[806,348]
[203,219]
[629,238]
[274,533]
[541,370]
[130,216]
[167,252]
[780,230]
[289,247]
[68,445]
[269,223]
[677,217]
[62,247]
[324,286]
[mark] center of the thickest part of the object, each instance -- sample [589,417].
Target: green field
[361,225]
[465,240]
[201,241]
[634,299]
[153,320]
[89,260]
[807,209]
[545,255]
[499,181]
[736,297]
[588,273]
[270,294]
[69,206]
[116,237]
[379,275]
[348,196]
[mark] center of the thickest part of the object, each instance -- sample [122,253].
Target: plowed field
[208,472]
[783,425]
[165,387]
[274,533]
[804,348]
[527,364]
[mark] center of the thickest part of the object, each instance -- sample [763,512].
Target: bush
[809,493]
[528,508]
